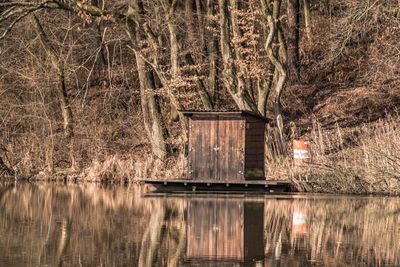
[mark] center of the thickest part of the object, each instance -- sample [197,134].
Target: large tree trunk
[175,73]
[307,20]
[242,71]
[212,54]
[205,97]
[263,89]
[201,88]
[200,22]
[150,108]
[234,83]
[189,21]
[275,60]
[62,95]
[4,170]
[293,40]
[169,9]
[64,103]
[102,61]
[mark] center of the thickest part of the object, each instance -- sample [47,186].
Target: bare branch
[16,20]
[22,9]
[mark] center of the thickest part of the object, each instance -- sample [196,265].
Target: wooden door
[230,148]
[203,144]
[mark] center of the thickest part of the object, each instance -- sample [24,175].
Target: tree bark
[200,22]
[293,40]
[201,88]
[242,71]
[4,170]
[212,54]
[232,81]
[99,38]
[279,66]
[206,99]
[169,9]
[173,39]
[149,103]
[307,20]
[264,89]
[150,109]
[189,21]
[62,94]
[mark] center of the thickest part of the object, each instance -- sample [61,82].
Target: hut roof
[191,112]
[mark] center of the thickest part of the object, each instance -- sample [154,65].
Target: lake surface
[90,225]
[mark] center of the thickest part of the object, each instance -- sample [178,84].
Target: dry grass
[117,169]
[361,159]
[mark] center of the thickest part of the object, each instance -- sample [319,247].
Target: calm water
[89,225]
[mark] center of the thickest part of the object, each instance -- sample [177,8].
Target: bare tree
[233,81]
[293,12]
[58,64]
[149,102]
[307,19]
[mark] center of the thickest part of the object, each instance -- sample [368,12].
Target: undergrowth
[357,160]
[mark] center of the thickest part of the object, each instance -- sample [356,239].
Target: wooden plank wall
[254,148]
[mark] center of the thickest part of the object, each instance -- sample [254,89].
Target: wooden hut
[225,145]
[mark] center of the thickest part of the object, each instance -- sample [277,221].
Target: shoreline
[76,181]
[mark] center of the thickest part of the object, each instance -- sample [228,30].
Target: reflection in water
[224,229]
[88,225]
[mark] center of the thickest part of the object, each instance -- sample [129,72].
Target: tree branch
[23,9]
[17,19]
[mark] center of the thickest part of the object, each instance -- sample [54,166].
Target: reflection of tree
[64,240]
[166,231]
[66,226]
[180,227]
[337,229]
[151,238]
[4,190]
[50,220]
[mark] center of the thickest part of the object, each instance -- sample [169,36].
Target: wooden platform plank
[213,185]
[187,181]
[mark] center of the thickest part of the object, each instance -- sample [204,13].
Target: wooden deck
[268,186]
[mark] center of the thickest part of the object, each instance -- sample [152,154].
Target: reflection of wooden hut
[227,146]
[225,230]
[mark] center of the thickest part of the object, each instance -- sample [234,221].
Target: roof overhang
[213,113]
